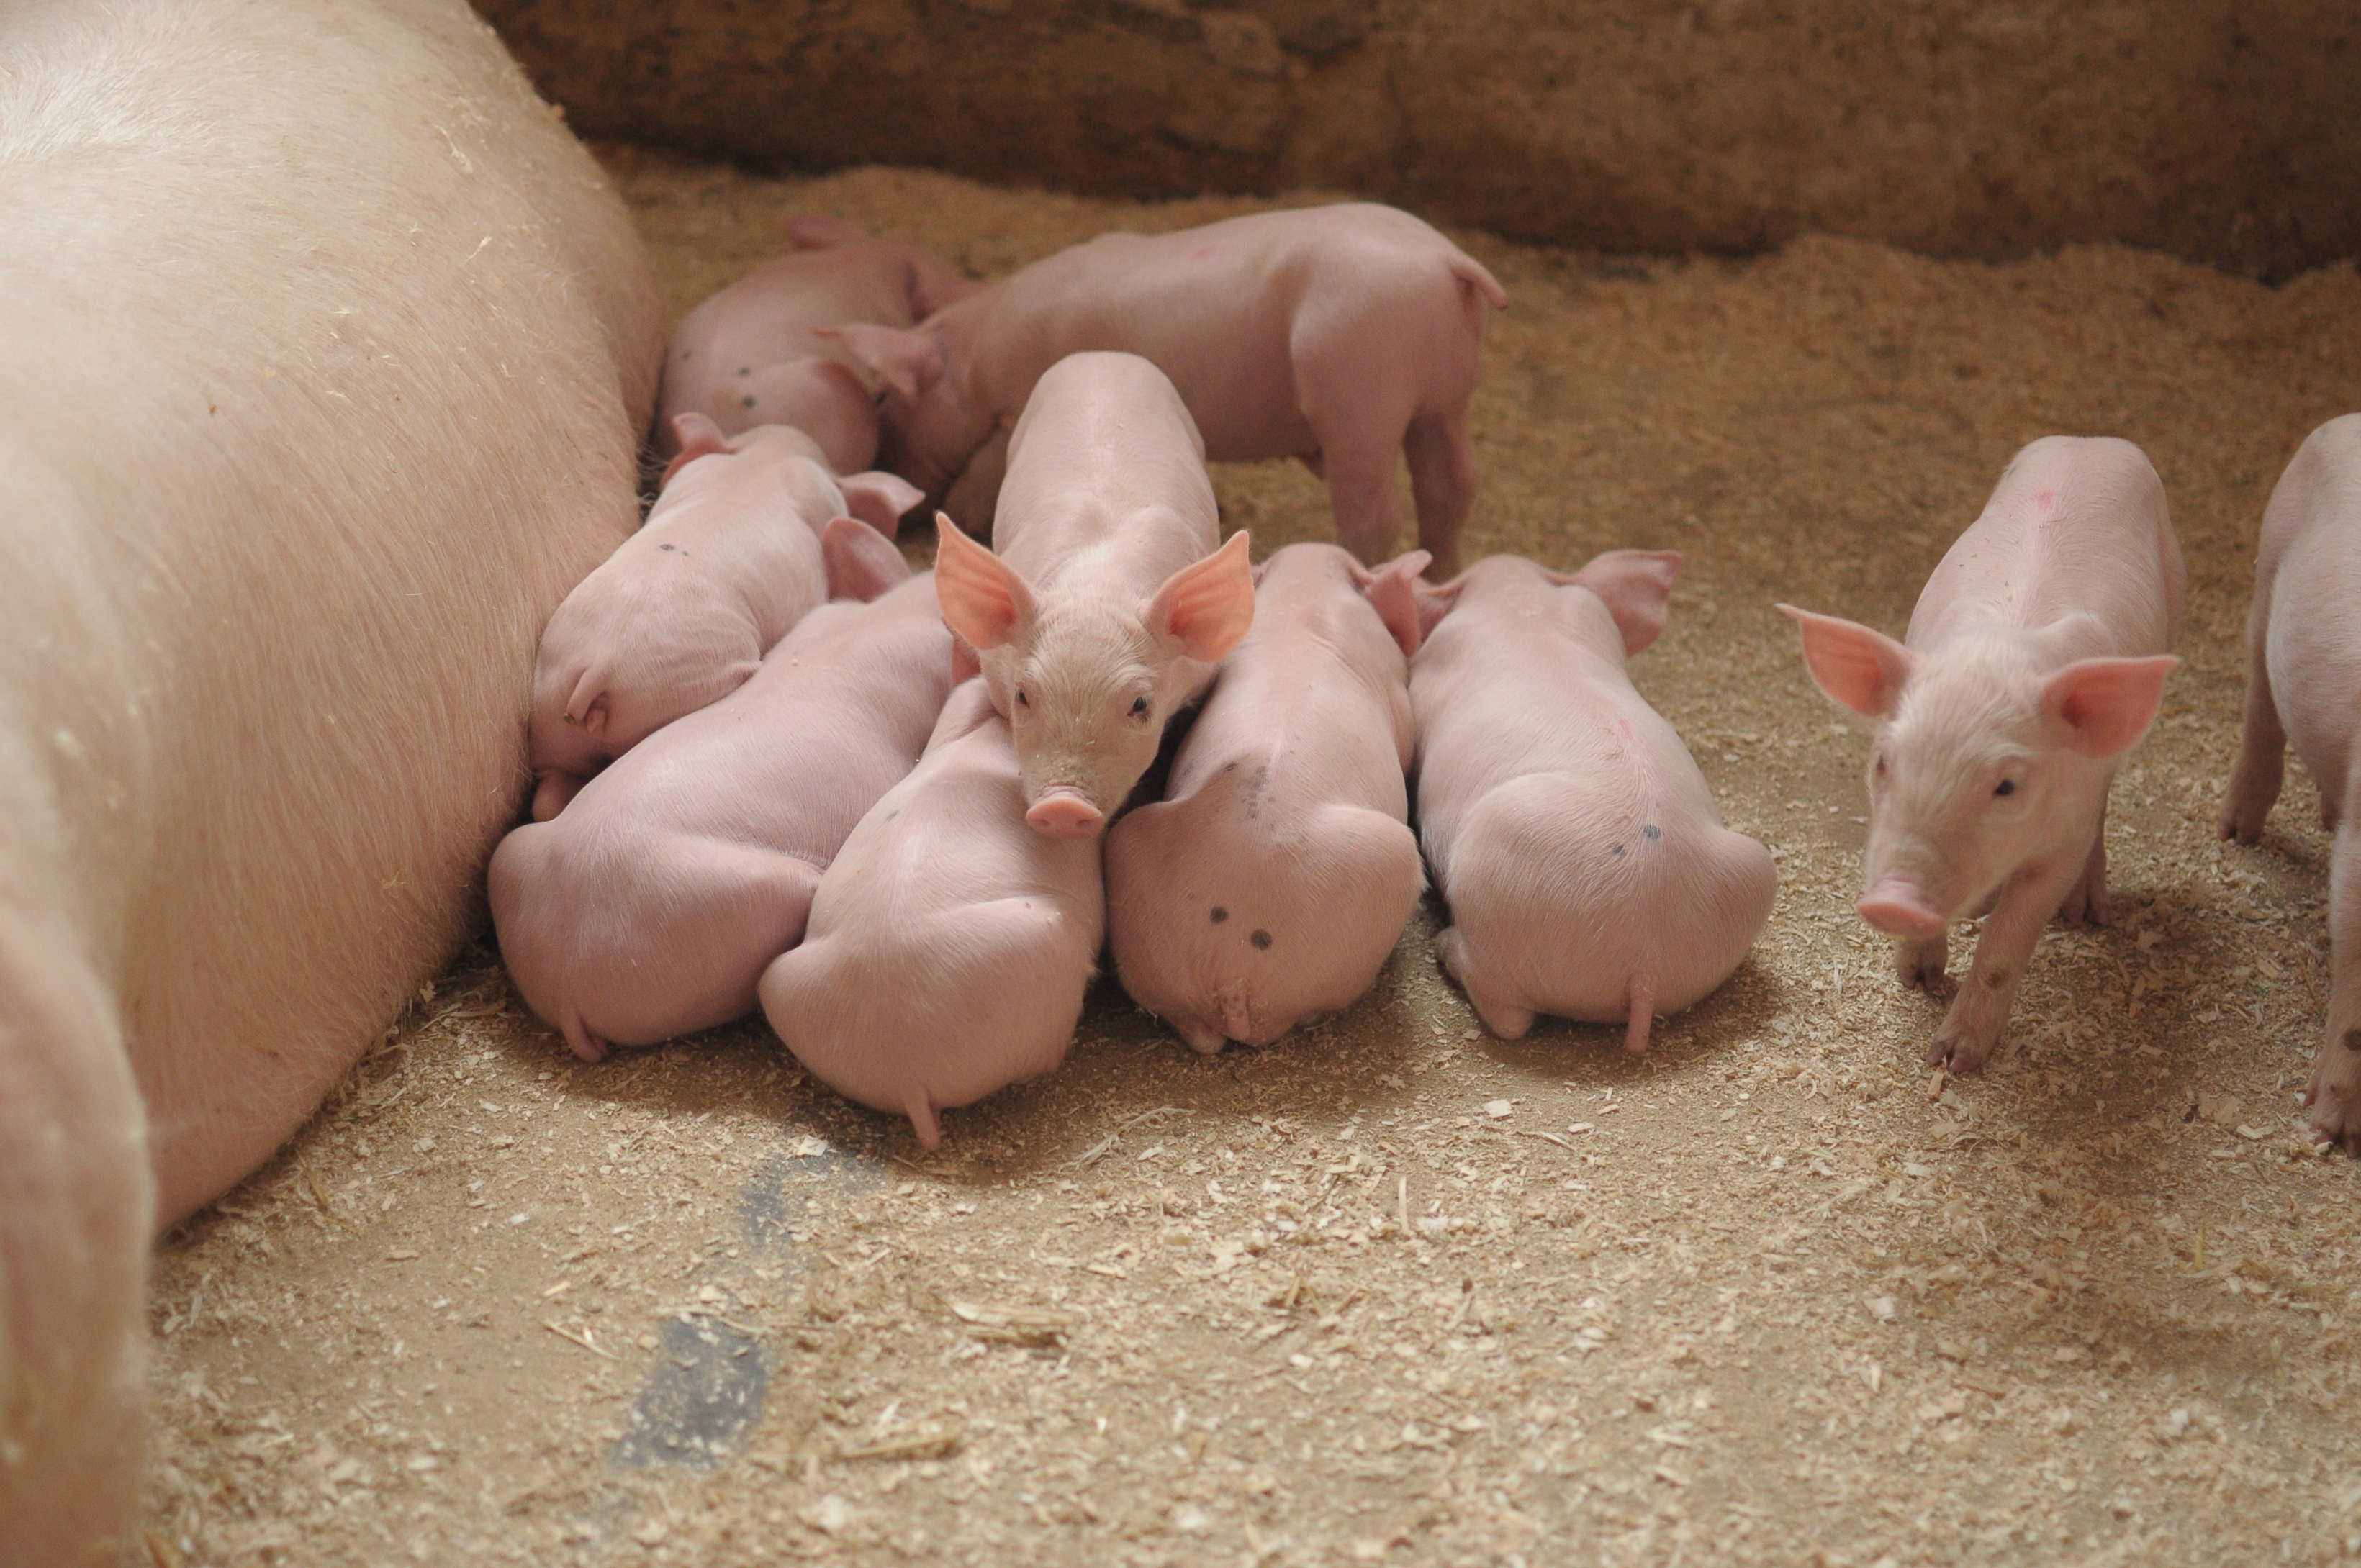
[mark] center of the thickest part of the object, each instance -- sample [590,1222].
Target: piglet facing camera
[1275,877]
[1587,870]
[2036,658]
[1107,603]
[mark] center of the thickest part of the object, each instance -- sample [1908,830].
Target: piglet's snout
[1900,907]
[1065,812]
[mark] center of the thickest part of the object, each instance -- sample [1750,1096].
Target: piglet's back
[948,945]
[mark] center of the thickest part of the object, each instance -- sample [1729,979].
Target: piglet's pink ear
[2107,705]
[1391,592]
[982,600]
[1434,602]
[861,562]
[880,499]
[1858,667]
[1208,605]
[909,362]
[1635,585]
[699,437]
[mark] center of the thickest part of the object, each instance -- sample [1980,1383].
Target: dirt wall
[2224,133]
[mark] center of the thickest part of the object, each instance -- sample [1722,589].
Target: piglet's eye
[2007,787]
[1022,700]
[1139,708]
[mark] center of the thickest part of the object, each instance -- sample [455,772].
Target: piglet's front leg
[1980,1012]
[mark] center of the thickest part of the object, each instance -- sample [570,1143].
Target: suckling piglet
[1588,872]
[2303,647]
[1275,877]
[949,944]
[1347,335]
[727,561]
[649,906]
[1108,604]
[762,351]
[2035,659]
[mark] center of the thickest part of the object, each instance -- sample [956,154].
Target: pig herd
[279,537]
[901,814]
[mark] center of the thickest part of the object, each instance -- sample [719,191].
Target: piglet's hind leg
[1443,484]
[2334,1093]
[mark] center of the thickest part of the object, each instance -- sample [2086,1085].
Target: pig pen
[1394,1291]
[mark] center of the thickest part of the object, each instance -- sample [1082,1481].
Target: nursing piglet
[760,351]
[1107,605]
[1342,336]
[1588,872]
[727,561]
[2035,660]
[1275,877]
[649,906]
[2303,646]
[949,944]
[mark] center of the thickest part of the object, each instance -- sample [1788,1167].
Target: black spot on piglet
[1220,914]
[1616,851]
[745,402]
[1653,831]
[1261,939]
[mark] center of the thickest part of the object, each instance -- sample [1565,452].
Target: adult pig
[2035,660]
[1273,880]
[729,561]
[1341,335]
[760,351]
[1107,604]
[649,908]
[1588,872]
[948,945]
[328,353]
[2303,648]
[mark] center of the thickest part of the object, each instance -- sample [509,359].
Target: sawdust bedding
[1395,1292]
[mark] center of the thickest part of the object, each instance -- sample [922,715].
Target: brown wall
[2225,132]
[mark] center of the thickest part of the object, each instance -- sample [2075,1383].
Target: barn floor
[1397,1292]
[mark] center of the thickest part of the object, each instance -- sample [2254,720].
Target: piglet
[1588,872]
[649,906]
[2035,660]
[1342,336]
[2304,650]
[1107,605]
[948,945]
[730,559]
[1275,877]
[758,352]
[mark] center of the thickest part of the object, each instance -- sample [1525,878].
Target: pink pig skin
[729,560]
[948,945]
[649,908]
[1341,335]
[2303,647]
[319,391]
[757,352]
[2035,659]
[1275,877]
[1587,872]
[1108,605]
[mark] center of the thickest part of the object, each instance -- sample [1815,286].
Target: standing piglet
[1107,605]
[2035,660]
[1341,335]
[760,352]
[1275,877]
[949,944]
[1588,872]
[2303,648]
[684,611]
[649,906]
